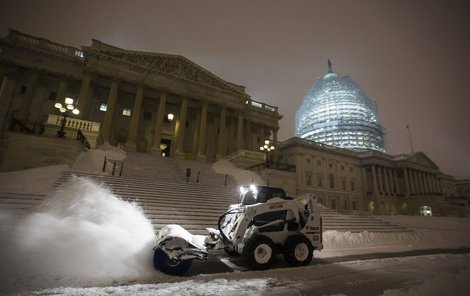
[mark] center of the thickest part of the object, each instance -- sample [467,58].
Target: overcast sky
[411,57]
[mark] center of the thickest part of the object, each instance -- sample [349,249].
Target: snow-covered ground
[84,240]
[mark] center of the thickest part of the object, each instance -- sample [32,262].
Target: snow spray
[81,234]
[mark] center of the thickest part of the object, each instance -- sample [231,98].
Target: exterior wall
[463,188]
[334,178]
[370,181]
[212,117]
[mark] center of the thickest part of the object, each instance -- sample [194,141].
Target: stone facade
[130,95]
[367,181]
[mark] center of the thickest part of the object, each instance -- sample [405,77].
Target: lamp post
[66,109]
[267,147]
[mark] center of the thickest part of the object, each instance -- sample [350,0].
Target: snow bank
[336,240]
[187,288]
[91,161]
[81,234]
[224,166]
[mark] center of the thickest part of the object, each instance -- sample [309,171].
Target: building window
[319,181]
[308,160]
[343,184]
[318,162]
[103,107]
[332,181]
[345,204]
[23,89]
[342,167]
[308,178]
[354,205]
[350,169]
[352,186]
[126,111]
[331,165]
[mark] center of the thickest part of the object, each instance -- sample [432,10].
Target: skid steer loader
[266,222]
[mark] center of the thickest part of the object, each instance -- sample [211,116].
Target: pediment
[422,159]
[174,65]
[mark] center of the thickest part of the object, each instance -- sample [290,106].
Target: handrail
[115,164]
[32,127]
[81,137]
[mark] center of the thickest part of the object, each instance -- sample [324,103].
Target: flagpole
[409,136]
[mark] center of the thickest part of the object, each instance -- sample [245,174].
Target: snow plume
[81,233]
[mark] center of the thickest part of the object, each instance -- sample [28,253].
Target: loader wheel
[259,252]
[298,250]
[162,262]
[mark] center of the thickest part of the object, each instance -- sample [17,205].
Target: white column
[25,105]
[222,133]
[6,94]
[240,126]
[157,135]
[132,136]
[83,104]
[180,129]
[201,151]
[110,111]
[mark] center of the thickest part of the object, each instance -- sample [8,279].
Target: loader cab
[251,195]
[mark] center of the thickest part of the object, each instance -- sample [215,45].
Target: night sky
[411,57]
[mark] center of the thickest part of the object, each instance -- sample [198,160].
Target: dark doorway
[165,146]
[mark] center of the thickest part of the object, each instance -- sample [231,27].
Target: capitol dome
[337,112]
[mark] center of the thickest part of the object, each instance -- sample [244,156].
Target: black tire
[259,252]
[298,250]
[162,262]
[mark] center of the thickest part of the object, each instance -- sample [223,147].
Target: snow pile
[336,240]
[81,231]
[225,167]
[245,287]
[91,161]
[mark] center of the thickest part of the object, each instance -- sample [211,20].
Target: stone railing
[253,155]
[31,41]
[261,105]
[89,129]
[83,125]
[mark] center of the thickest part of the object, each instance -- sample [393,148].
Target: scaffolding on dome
[337,112]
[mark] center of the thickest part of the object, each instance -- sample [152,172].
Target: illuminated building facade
[142,101]
[337,112]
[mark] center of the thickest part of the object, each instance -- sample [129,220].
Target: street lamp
[65,110]
[267,147]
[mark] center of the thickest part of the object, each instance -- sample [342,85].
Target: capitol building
[166,105]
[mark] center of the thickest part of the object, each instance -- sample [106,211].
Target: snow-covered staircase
[194,206]
[159,185]
[12,203]
[356,222]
